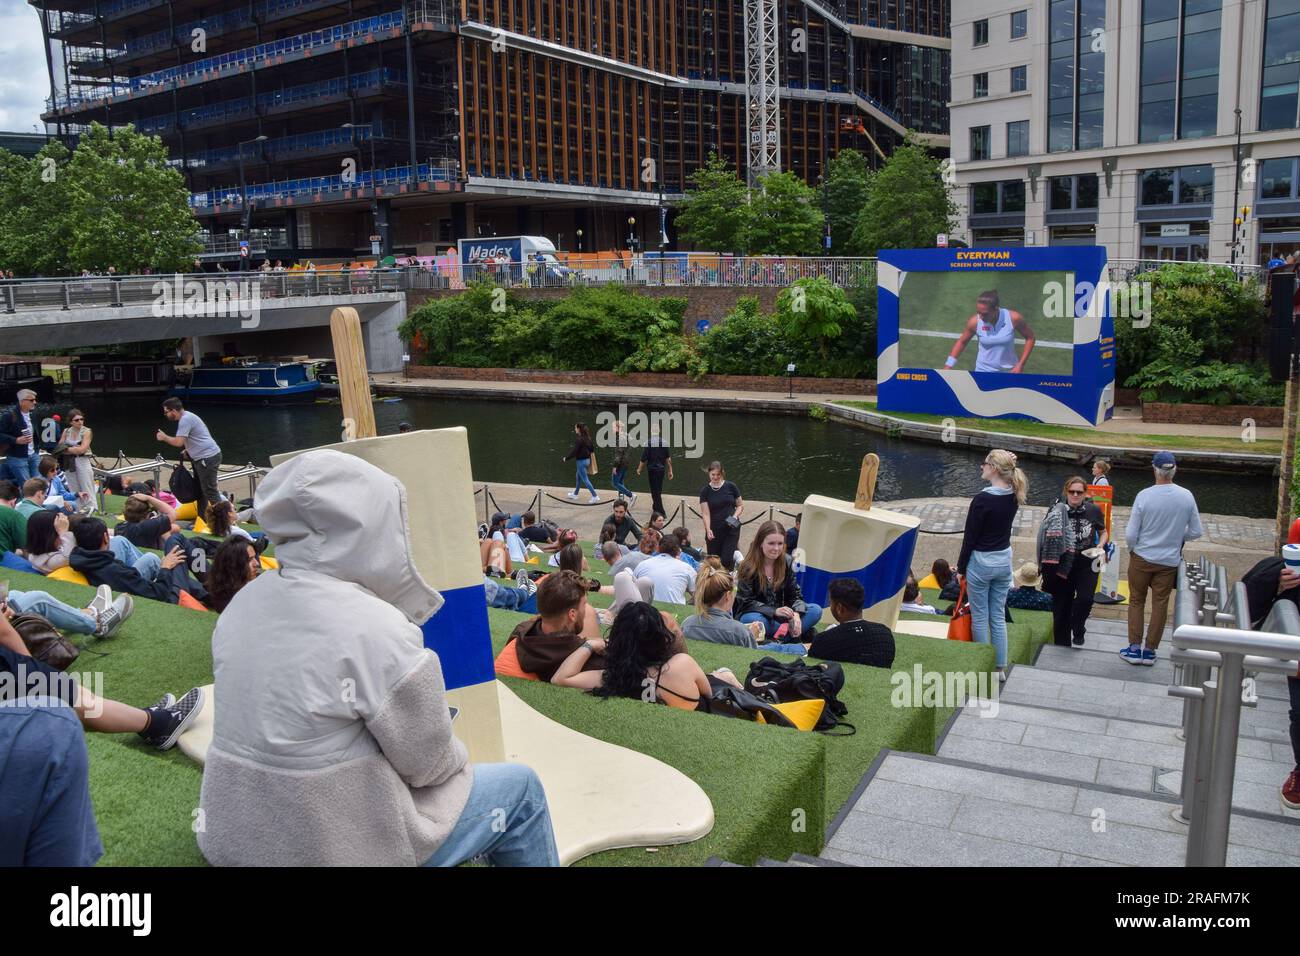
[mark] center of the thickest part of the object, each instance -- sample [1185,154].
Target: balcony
[227,198]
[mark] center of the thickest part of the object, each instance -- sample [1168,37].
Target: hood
[334,514]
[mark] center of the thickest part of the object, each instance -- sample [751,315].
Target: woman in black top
[985,560]
[582,451]
[1072,526]
[721,507]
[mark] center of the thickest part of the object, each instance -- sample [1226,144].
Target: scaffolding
[762,89]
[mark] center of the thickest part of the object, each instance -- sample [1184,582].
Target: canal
[771,457]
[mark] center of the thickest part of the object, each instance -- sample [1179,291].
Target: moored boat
[260,382]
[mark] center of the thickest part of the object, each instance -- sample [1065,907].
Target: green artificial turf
[774,790]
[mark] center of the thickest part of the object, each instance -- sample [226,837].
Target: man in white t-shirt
[673,579]
[193,435]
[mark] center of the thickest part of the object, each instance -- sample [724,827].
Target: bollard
[1227,722]
[9,298]
[1200,782]
[67,297]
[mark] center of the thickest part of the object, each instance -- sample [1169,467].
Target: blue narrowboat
[260,382]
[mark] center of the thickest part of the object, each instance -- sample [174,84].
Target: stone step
[933,811]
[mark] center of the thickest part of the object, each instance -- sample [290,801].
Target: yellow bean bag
[200,526]
[188,511]
[804,714]
[66,573]
[929,581]
[268,563]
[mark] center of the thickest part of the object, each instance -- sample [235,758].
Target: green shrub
[457,330]
[1212,383]
[598,328]
[747,342]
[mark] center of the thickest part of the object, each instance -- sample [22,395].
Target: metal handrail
[1212,713]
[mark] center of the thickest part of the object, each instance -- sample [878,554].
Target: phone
[781,632]
[455,712]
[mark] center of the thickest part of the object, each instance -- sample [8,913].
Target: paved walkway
[1079,767]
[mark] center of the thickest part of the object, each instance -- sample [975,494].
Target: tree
[35,230]
[128,208]
[907,207]
[784,218]
[815,311]
[847,186]
[713,214]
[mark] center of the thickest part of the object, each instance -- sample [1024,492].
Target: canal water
[770,457]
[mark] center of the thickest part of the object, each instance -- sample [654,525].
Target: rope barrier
[577,504]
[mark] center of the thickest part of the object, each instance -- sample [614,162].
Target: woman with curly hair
[234,565]
[640,662]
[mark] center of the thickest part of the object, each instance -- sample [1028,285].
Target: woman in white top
[74,443]
[996,329]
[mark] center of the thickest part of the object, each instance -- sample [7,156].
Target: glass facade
[1180,69]
[1277,179]
[1176,186]
[1280,84]
[1068,193]
[1076,74]
[988,199]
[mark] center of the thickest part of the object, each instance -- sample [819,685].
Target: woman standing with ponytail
[985,560]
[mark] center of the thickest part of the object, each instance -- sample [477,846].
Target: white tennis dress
[997,351]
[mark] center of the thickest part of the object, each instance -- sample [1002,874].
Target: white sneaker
[572,495]
[103,599]
[595,499]
[632,500]
[738,557]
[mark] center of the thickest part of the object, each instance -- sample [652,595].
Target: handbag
[591,464]
[732,522]
[959,628]
[44,642]
[184,484]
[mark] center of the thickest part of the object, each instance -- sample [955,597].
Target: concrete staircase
[1080,766]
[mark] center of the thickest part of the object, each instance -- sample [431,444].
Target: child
[854,641]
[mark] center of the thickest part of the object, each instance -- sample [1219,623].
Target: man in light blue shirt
[1164,517]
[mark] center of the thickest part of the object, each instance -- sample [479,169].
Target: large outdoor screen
[996,333]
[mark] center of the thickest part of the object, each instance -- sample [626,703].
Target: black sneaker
[167,724]
[1078,642]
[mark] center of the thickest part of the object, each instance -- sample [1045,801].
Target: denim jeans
[125,551]
[809,619]
[149,566]
[63,616]
[616,479]
[582,478]
[505,819]
[21,467]
[988,579]
[511,599]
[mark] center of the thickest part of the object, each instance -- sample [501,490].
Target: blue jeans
[149,566]
[63,616]
[988,579]
[583,478]
[20,468]
[505,819]
[125,551]
[511,599]
[616,479]
[809,618]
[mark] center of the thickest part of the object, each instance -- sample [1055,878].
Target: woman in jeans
[582,452]
[1072,526]
[985,560]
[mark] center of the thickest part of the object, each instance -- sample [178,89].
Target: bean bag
[507,664]
[188,511]
[804,714]
[190,601]
[929,581]
[268,563]
[66,573]
[16,563]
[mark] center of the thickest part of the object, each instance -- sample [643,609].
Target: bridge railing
[572,270]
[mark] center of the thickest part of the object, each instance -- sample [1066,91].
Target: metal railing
[226,198]
[1121,270]
[1214,670]
[254,474]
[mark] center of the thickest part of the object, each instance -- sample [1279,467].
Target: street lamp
[245,212]
[631,245]
[1236,185]
[579,240]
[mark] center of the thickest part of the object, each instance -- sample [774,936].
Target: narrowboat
[259,382]
[119,375]
[19,375]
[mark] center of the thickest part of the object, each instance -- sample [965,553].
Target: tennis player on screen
[996,329]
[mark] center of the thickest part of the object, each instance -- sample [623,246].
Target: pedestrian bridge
[266,314]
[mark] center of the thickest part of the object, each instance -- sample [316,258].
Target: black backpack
[783,681]
[183,484]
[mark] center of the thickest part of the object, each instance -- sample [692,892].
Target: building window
[1019,24]
[1019,79]
[1067,193]
[979,142]
[1180,69]
[1076,74]
[1280,88]
[981,32]
[981,85]
[1018,138]
[1277,179]
[1177,186]
[988,199]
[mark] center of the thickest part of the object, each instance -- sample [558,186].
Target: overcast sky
[24,82]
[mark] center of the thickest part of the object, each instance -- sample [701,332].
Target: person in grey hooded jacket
[332,740]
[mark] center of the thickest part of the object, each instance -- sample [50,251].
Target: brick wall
[743,383]
[1263,415]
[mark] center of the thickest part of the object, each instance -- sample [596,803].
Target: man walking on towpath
[194,437]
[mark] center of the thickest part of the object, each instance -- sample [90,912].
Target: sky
[24,81]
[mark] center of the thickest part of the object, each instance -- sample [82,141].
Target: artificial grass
[774,790]
[1085,436]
